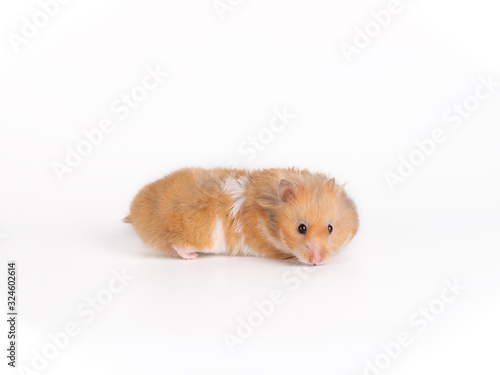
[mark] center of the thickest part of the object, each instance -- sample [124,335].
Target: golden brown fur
[196,210]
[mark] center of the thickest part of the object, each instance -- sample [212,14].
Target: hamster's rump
[240,212]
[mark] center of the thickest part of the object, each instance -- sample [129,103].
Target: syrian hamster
[277,213]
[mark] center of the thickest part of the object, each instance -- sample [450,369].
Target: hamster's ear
[335,188]
[287,190]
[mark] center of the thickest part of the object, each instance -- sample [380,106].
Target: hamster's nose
[314,253]
[315,257]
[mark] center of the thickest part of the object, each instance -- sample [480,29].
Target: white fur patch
[276,243]
[346,241]
[236,189]
[243,249]
[219,239]
[238,227]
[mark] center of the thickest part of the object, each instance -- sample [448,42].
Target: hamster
[276,213]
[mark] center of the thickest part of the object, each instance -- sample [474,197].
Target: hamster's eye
[302,229]
[330,228]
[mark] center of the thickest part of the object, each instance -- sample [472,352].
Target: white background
[226,76]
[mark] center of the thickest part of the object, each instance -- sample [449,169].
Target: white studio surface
[410,121]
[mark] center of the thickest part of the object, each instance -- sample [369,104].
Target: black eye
[302,229]
[330,228]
